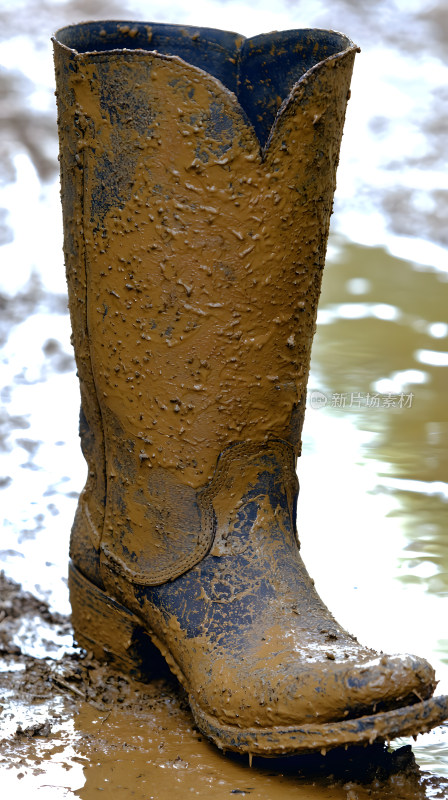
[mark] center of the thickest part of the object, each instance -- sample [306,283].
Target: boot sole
[117,635]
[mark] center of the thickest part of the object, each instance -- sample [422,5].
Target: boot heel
[111,632]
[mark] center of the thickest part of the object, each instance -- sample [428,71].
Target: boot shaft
[199,250]
[197,181]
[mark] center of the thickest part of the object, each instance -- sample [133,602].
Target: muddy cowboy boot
[198,172]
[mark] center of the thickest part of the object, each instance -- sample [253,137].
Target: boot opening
[260,71]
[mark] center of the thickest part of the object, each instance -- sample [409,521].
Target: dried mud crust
[62,687]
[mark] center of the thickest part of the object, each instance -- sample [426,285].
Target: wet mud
[71,727]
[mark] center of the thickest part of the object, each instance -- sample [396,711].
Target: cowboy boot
[198,172]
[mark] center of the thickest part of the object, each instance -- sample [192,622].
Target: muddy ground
[74,728]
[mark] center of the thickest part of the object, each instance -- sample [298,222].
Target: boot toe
[347,690]
[323,693]
[389,682]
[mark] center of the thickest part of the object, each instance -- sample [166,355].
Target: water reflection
[359,355]
[375,348]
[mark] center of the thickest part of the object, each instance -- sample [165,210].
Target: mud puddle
[71,728]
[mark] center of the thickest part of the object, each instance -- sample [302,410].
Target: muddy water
[372,511]
[373,496]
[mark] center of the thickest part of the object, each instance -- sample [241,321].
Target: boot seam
[99,533]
